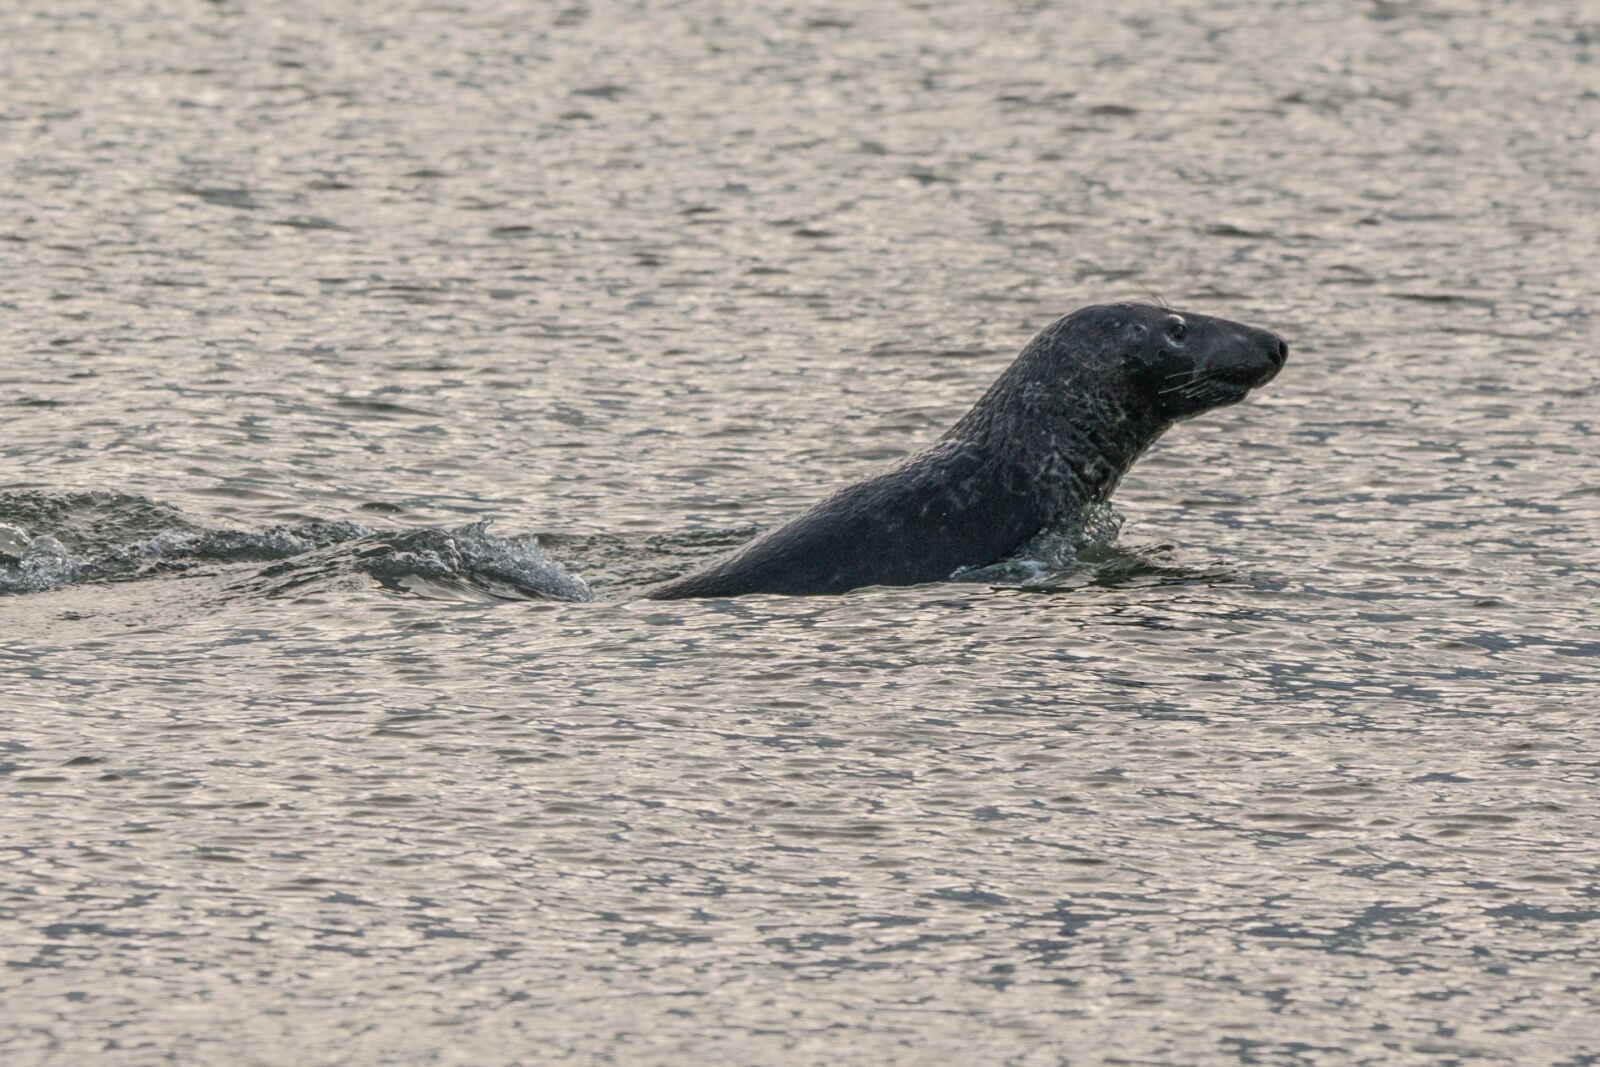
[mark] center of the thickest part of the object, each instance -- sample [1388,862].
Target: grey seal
[1053,435]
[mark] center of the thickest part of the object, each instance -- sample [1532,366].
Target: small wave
[474,555]
[52,540]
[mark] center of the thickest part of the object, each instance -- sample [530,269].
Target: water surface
[300,763]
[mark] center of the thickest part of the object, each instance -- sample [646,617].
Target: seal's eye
[1176,329]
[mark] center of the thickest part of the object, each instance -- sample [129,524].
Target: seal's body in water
[1053,435]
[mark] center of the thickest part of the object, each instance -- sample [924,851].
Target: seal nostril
[1280,352]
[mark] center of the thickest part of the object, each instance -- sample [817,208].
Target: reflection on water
[1297,767]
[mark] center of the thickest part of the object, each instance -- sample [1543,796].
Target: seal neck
[1068,436]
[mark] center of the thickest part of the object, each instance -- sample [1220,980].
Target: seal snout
[1273,354]
[1277,350]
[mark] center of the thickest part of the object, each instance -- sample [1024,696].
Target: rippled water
[303,762]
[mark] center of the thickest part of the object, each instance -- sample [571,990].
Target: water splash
[13,544]
[39,563]
[1086,539]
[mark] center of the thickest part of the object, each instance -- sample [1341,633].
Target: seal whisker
[1156,298]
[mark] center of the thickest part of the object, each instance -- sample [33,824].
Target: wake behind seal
[1052,437]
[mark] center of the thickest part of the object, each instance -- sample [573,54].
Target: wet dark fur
[1055,433]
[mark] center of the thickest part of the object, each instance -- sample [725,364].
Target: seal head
[1053,435]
